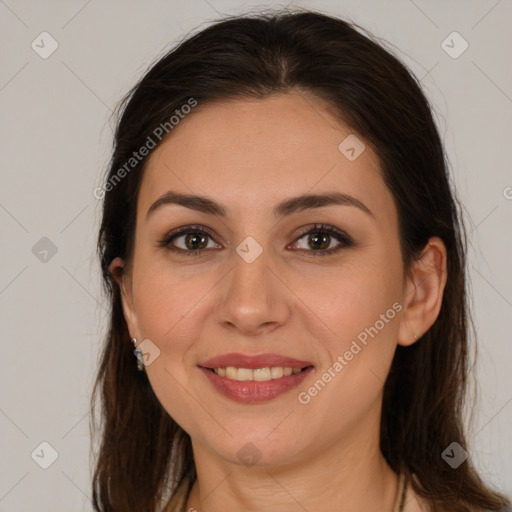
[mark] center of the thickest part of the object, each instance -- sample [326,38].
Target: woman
[285,260]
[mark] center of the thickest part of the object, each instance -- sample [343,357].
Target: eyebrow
[288,207]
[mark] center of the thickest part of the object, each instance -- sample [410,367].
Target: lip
[252,362]
[251,392]
[254,391]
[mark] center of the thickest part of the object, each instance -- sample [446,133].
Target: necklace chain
[400,494]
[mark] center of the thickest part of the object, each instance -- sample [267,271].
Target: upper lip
[260,361]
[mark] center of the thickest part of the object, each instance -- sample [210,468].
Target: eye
[195,240]
[320,238]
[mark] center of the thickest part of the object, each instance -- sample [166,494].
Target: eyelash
[339,235]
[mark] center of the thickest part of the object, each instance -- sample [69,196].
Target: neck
[353,476]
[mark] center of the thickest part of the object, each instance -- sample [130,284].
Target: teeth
[231,372]
[245,374]
[258,374]
[276,372]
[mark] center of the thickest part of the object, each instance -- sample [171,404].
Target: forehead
[247,152]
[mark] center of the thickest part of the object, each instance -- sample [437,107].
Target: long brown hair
[145,458]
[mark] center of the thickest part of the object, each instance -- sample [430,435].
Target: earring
[415,338]
[139,356]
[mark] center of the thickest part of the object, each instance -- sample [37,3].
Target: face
[319,282]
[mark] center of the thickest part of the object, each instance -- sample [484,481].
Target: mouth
[263,374]
[254,378]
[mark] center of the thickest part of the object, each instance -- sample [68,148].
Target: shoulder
[414,502]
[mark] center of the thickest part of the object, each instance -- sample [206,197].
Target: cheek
[165,302]
[331,308]
[351,298]
[356,313]
[336,303]
[167,306]
[357,316]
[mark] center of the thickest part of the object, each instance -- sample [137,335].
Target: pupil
[315,238]
[192,238]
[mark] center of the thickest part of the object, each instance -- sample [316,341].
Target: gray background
[55,141]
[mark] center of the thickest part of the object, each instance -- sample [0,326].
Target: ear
[423,292]
[119,273]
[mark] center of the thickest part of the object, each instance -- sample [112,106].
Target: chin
[250,452]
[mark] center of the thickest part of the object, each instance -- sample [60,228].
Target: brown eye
[318,240]
[193,240]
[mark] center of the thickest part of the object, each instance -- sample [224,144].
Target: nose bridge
[251,296]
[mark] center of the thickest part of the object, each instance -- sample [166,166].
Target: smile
[254,385]
[257,374]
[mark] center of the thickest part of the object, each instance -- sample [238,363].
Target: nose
[253,299]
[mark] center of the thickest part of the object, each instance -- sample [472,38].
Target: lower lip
[255,391]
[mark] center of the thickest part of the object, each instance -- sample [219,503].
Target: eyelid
[166,240]
[343,238]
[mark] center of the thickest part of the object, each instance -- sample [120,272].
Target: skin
[286,301]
